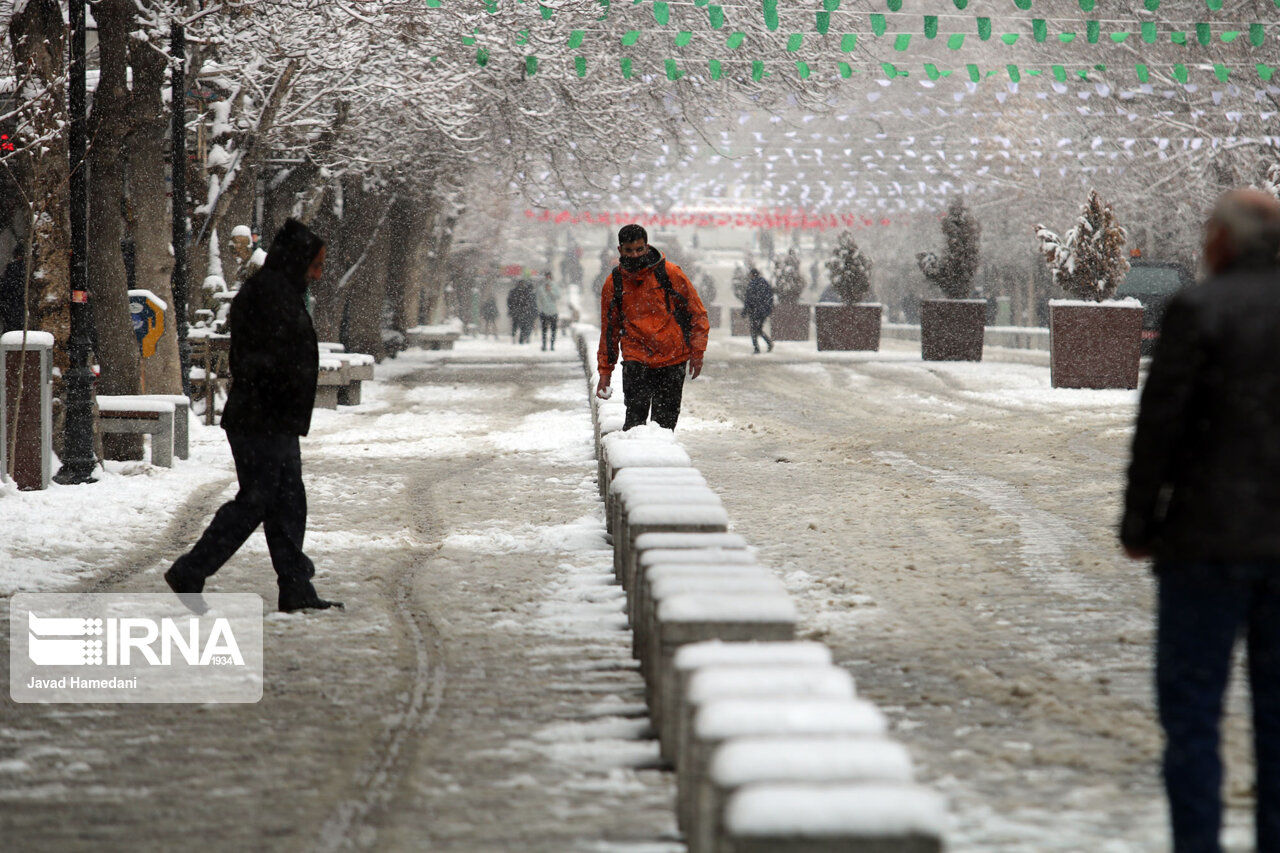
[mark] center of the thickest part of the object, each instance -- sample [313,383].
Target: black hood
[294,248]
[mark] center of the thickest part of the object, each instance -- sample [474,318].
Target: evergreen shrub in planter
[1095,341]
[790,320]
[952,329]
[852,324]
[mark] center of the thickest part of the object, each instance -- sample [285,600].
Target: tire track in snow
[349,827]
[1045,539]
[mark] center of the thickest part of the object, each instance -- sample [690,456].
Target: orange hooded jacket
[648,330]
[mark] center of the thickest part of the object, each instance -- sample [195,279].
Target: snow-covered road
[948,529]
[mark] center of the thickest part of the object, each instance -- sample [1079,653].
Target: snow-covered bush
[953,274]
[1091,261]
[789,283]
[850,270]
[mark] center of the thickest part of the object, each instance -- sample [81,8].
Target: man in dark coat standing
[274,361]
[757,304]
[1203,499]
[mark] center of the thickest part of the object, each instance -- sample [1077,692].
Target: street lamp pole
[178,183]
[77,447]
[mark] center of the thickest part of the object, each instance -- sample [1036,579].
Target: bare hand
[695,367]
[1136,553]
[603,391]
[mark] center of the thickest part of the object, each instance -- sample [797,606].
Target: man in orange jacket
[650,310]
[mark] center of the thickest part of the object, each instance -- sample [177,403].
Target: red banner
[781,220]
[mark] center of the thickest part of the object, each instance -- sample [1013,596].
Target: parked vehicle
[1153,283]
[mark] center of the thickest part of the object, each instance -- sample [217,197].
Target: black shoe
[770,346]
[188,588]
[755,351]
[291,602]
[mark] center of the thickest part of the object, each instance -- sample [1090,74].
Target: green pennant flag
[625,62]
[894,5]
[433,4]
[1265,72]
[1256,35]
[960,4]
[891,71]
[630,37]
[482,57]
[1221,71]
[1039,29]
[1024,5]
[1144,73]
[846,70]
[1009,38]
[716,14]
[794,42]
[931,71]
[1214,5]
[683,38]
[1087,5]
[849,42]
[878,25]
[1178,37]
[605,13]
[546,11]
[661,13]
[984,28]
[1059,73]
[771,14]
[1092,31]
[757,70]
[974,74]
[955,41]
[580,65]
[673,73]
[802,68]
[1148,32]
[930,26]
[1066,38]
[902,42]
[1119,38]
[713,68]
[530,65]
[830,5]
[823,22]
[1152,5]
[576,37]
[735,41]
[1203,35]
[1014,74]
[1180,73]
[1229,36]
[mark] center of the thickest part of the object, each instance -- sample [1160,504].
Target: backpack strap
[616,311]
[677,305]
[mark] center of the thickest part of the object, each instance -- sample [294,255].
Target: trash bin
[26,400]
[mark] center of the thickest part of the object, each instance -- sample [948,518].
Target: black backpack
[677,304]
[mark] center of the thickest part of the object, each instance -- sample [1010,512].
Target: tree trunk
[39,48]
[117,346]
[148,193]
[368,295]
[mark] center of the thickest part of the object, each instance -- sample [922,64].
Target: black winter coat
[274,357]
[1204,480]
[757,298]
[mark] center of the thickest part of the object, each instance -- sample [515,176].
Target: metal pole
[77,447]
[178,183]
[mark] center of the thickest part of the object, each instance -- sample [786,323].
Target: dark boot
[188,585]
[302,596]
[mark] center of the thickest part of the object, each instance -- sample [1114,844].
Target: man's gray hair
[1250,221]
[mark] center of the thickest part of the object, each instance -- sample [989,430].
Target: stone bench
[129,414]
[718,684]
[358,368]
[724,720]
[715,653]
[181,422]
[746,761]
[868,817]
[433,338]
[331,376]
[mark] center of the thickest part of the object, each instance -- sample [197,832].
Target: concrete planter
[790,322]
[715,316]
[1094,345]
[739,325]
[952,329]
[848,327]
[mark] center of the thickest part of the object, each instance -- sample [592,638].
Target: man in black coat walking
[757,304]
[274,361]
[1203,499]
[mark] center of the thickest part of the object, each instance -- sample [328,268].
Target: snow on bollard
[685,541]
[630,477]
[622,450]
[666,518]
[725,719]
[671,488]
[697,617]
[627,501]
[717,684]
[868,817]
[790,760]
[715,653]
[636,567]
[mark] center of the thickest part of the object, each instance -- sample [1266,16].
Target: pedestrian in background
[1203,499]
[489,315]
[522,308]
[650,311]
[757,304]
[548,299]
[274,362]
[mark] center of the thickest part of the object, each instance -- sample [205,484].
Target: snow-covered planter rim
[949,299]
[1127,302]
[854,305]
[33,339]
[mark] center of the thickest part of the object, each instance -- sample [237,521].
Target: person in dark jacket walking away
[649,309]
[274,361]
[489,315]
[522,308]
[757,304]
[1203,499]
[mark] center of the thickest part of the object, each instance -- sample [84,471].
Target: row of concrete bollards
[772,748]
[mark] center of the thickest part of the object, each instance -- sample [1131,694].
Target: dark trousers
[526,329]
[549,321]
[1202,608]
[757,330]
[652,389]
[269,468]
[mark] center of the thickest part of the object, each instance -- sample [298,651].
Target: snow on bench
[181,422]
[789,760]
[875,817]
[357,368]
[330,376]
[131,414]
[439,337]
